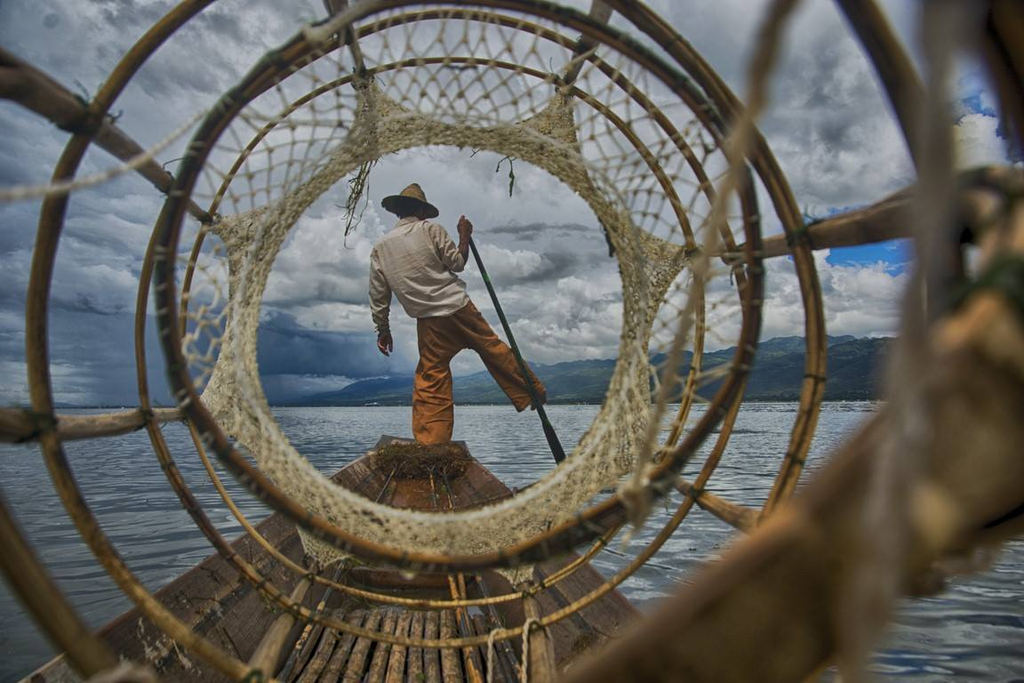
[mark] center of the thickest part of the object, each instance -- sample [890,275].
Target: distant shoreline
[474,404]
[571,403]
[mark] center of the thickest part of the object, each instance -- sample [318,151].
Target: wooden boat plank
[601,620]
[324,650]
[415,657]
[359,476]
[244,624]
[432,657]
[396,663]
[306,646]
[381,650]
[361,650]
[451,662]
[504,654]
[332,672]
[499,675]
[200,598]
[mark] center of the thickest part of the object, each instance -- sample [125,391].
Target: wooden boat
[215,601]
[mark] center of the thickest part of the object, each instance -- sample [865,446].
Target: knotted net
[634,137]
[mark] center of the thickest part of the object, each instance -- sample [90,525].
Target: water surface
[972,632]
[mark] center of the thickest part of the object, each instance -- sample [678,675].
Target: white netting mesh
[462,78]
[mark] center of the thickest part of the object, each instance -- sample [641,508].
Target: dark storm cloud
[535,230]
[287,348]
[84,302]
[93,359]
[17,222]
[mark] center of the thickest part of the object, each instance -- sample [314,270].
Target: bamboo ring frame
[90,657]
[589,524]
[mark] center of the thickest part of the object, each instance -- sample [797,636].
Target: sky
[828,125]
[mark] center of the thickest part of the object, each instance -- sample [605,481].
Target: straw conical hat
[411,198]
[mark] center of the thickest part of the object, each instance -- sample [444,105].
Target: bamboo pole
[889,219]
[736,516]
[886,220]
[19,425]
[268,651]
[542,666]
[34,90]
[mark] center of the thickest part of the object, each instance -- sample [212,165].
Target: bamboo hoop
[588,525]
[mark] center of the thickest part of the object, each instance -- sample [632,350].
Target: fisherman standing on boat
[417,261]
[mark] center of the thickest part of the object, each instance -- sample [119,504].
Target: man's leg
[433,413]
[497,357]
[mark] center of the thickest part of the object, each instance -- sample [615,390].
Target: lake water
[974,631]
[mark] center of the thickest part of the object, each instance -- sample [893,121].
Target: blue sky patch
[896,255]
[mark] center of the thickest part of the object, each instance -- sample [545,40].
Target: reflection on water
[972,632]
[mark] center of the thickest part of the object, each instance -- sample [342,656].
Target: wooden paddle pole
[549,431]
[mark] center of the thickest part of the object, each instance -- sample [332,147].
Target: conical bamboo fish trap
[671,162]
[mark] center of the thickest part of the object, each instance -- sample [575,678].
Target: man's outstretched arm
[380,305]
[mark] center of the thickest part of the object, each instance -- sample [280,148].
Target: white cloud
[859,300]
[978,142]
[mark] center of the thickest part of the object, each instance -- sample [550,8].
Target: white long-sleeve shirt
[416,260]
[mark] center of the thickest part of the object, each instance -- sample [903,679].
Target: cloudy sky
[828,126]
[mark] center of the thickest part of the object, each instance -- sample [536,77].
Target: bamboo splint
[18,425]
[886,220]
[31,88]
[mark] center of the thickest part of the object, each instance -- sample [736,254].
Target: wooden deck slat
[396,664]
[306,645]
[319,660]
[357,661]
[431,656]
[382,651]
[332,672]
[451,662]
[415,656]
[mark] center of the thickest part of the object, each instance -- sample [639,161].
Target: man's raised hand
[465,229]
[385,343]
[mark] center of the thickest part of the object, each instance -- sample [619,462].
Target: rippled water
[972,632]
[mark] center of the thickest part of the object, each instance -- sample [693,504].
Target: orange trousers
[433,411]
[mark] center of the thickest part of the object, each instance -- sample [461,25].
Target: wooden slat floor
[322,654]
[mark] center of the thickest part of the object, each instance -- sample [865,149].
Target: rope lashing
[549,432]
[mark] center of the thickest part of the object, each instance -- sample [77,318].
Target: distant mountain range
[854,366]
